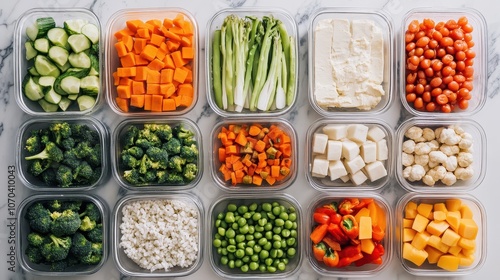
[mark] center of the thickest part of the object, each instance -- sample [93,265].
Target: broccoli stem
[216,68]
[290,93]
[241,51]
[253,45]
[229,63]
[269,89]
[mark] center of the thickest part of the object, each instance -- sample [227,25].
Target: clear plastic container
[37,184]
[127,266]
[340,184]
[21,65]
[384,23]
[480,38]
[215,23]
[426,269]
[216,143]
[118,22]
[118,169]
[23,230]
[220,206]
[478,151]
[366,270]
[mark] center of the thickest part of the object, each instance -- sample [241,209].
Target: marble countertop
[302,116]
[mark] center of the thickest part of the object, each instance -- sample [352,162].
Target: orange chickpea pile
[439,60]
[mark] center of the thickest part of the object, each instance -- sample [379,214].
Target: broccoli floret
[95,235]
[92,211]
[83,172]
[173,146]
[54,205]
[83,149]
[38,166]
[87,224]
[33,143]
[96,175]
[188,141]
[161,176]
[130,136]
[149,177]
[36,239]
[190,153]
[65,223]
[175,178]
[91,259]
[39,218]
[151,137]
[94,159]
[73,205]
[60,131]
[181,132]
[144,143]
[190,171]
[50,152]
[68,143]
[135,151]
[97,248]
[80,246]
[49,177]
[91,136]
[131,176]
[34,254]
[130,161]
[71,160]
[57,249]
[64,176]
[153,127]
[164,132]
[59,265]
[145,165]
[176,163]
[159,157]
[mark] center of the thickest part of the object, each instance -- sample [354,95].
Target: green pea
[217,223]
[293,233]
[242,209]
[230,233]
[224,243]
[276,237]
[284,232]
[256,216]
[231,264]
[292,217]
[291,252]
[249,237]
[268,226]
[246,259]
[258,235]
[267,207]
[251,229]
[262,267]
[276,262]
[270,215]
[216,243]
[279,222]
[219,251]
[273,253]
[268,261]
[248,251]
[262,241]
[257,248]
[223,224]
[271,269]
[295,225]
[264,254]
[220,216]
[284,260]
[231,241]
[251,243]
[284,216]
[240,238]
[268,246]
[288,224]
[240,253]
[231,256]
[277,244]
[281,266]
[253,206]
[224,251]
[244,229]
[277,230]
[234,226]
[268,235]
[276,210]
[253,265]
[238,263]
[276,204]
[231,248]
[259,228]
[283,243]
[290,241]
[280,253]
[232,207]
[262,222]
[244,268]
[247,215]
[241,245]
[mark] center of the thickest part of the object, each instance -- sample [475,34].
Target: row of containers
[436,229]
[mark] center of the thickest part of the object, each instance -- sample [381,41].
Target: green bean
[231,207]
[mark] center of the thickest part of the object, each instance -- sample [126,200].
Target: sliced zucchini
[64,103]
[42,45]
[71,72]
[64,67]
[46,81]
[58,37]
[79,60]
[79,43]
[48,107]
[31,89]
[45,67]
[74,26]
[85,102]
[31,52]
[90,85]
[59,55]
[70,84]
[40,28]
[72,96]
[52,97]
[32,71]
[92,32]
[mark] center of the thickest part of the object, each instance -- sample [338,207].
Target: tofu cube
[375,170]
[382,150]
[336,170]
[368,151]
[350,149]
[335,131]
[345,178]
[320,166]
[357,132]
[375,134]
[319,143]
[358,178]
[354,165]
[333,150]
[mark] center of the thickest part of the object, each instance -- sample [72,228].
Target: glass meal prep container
[451,161]
[169,35]
[460,238]
[23,230]
[367,205]
[378,82]
[252,215]
[40,89]
[215,23]
[37,183]
[480,63]
[125,264]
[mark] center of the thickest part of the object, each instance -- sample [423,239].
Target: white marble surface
[301,117]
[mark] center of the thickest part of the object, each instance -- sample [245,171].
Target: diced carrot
[141,73]
[270,180]
[129,42]
[121,49]
[120,33]
[122,103]
[156,40]
[157,103]
[254,130]
[154,22]
[187,90]
[143,33]
[123,91]
[139,45]
[187,27]
[231,150]
[286,149]
[178,60]
[126,81]
[275,171]
[153,77]
[172,45]
[126,71]
[180,75]
[169,62]
[171,35]
[222,154]
[231,135]
[137,100]
[256,180]
[134,24]
[239,173]
[186,42]
[262,156]
[153,89]
[176,30]
[167,76]
[149,52]
[168,104]
[167,90]
[161,53]
[187,53]
[233,179]
[179,20]
[139,61]
[147,102]
[138,88]
[116,79]
[128,60]
[156,64]
[168,23]
[185,100]
[260,146]
[237,165]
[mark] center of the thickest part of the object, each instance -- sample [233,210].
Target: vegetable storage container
[379,82]
[24,229]
[262,210]
[265,160]
[161,23]
[480,63]
[349,154]
[250,110]
[370,206]
[459,210]
[37,183]
[464,160]
[147,125]
[24,68]
[126,265]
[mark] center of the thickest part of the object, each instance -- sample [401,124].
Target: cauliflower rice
[160,234]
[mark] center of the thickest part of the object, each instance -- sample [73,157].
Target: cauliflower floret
[439,172]
[407,159]
[422,160]
[449,179]
[428,180]
[432,164]
[428,134]
[458,129]
[434,144]
[437,132]
[437,157]
[407,172]
[414,132]
[449,137]
[466,141]
[409,146]
[417,172]
[422,148]
[449,150]
[464,173]
[451,163]
[465,159]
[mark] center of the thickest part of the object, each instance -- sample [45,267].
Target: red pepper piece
[377,233]
[318,233]
[349,251]
[331,258]
[362,203]
[335,218]
[321,218]
[328,240]
[319,251]
[375,257]
[350,226]
[337,233]
[348,260]
[325,210]
[347,205]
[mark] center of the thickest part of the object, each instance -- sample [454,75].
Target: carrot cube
[157,39]
[161,53]
[177,58]
[129,42]
[126,82]
[187,53]
[186,42]
[149,52]
[123,91]
[120,33]
[137,100]
[168,23]
[147,102]
[143,33]
[141,73]
[185,100]
[128,60]
[172,45]
[116,79]
[168,104]
[126,71]
[167,76]
[153,89]
[122,103]
[156,64]
[185,89]
[121,49]
[138,88]
[180,75]
[169,62]
[156,103]
[139,61]
[153,77]
[134,24]
[139,45]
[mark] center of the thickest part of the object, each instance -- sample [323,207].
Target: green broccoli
[36,239]
[92,211]
[190,171]
[149,177]
[34,254]
[135,151]
[73,205]
[57,249]
[161,176]
[153,127]
[176,163]
[64,176]
[159,157]
[144,165]
[33,143]
[96,175]
[188,141]
[49,177]
[59,265]
[129,161]
[190,153]
[95,158]
[151,137]
[54,205]
[50,152]
[70,160]
[96,234]
[172,146]
[130,136]
[87,224]
[65,223]
[91,136]
[83,149]
[39,218]
[80,246]
[38,166]
[68,143]
[131,176]
[182,132]
[164,132]
[97,248]
[60,131]
[175,178]
[83,173]
[91,259]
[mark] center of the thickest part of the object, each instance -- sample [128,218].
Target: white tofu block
[375,170]
[336,169]
[319,143]
[358,178]
[333,150]
[382,150]
[350,149]
[375,134]
[368,151]
[335,131]
[320,166]
[354,165]
[357,132]
[345,178]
